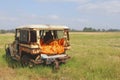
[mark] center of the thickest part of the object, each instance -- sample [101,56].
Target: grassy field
[94,56]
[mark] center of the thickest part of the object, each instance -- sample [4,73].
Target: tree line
[2,31]
[85,29]
[90,29]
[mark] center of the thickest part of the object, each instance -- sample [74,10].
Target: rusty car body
[30,46]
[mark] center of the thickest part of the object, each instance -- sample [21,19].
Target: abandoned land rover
[38,44]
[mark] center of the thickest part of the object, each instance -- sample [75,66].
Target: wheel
[25,60]
[8,56]
[11,62]
[7,52]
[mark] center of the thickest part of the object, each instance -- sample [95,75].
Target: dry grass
[7,73]
[94,56]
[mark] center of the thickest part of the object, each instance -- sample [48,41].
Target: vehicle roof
[43,27]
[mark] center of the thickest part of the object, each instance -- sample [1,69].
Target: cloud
[54,17]
[10,19]
[49,17]
[81,20]
[28,19]
[80,1]
[104,7]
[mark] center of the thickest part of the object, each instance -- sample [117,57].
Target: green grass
[94,56]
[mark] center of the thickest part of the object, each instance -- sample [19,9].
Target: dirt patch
[10,74]
[7,73]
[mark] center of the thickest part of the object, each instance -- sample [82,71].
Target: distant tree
[74,30]
[89,29]
[99,30]
[7,31]
[86,29]
[113,30]
[2,31]
[103,30]
[11,31]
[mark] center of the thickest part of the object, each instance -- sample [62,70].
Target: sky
[75,14]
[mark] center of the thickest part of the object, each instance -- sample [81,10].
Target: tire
[7,52]
[25,60]
[9,59]
[8,56]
